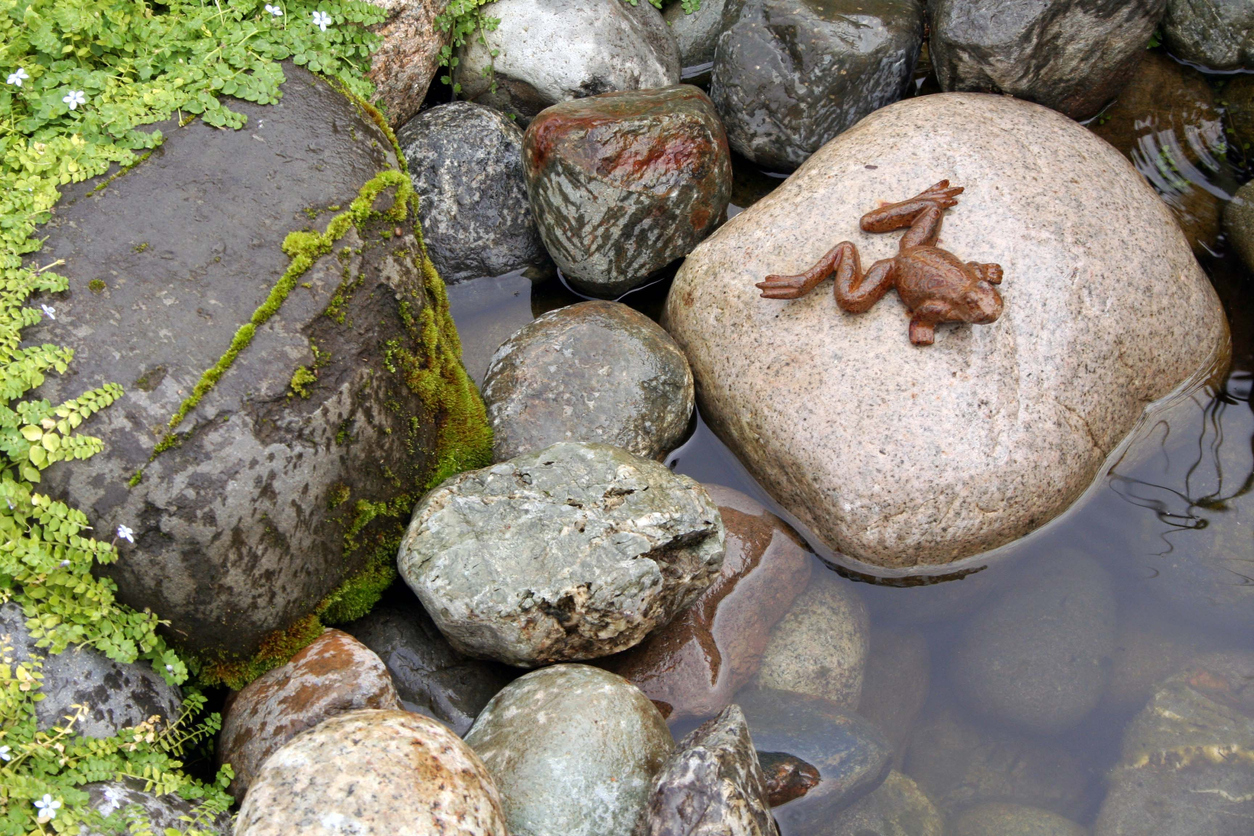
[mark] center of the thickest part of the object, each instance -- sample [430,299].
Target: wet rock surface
[1071,56]
[550,51]
[430,676]
[158,811]
[576,551]
[622,184]
[573,750]
[1239,223]
[696,34]
[1012,820]
[1038,658]
[1185,767]
[373,772]
[789,75]
[1150,645]
[1218,34]
[850,755]
[895,685]
[596,372]
[711,785]
[333,675]
[408,56]
[112,695]
[466,163]
[695,664]
[188,246]
[1238,99]
[820,647]
[895,808]
[902,456]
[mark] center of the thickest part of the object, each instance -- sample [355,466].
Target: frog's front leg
[922,213]
[794,287]
[990,273]
[923,321]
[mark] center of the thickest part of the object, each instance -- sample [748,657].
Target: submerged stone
[346,391]
[896,807]
[1217,34]
[1239,224]
[1001,819]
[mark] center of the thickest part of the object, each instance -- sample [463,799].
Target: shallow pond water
[1170,521]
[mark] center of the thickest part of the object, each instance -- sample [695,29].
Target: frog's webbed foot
[923,321]
[937,198]
[794,287]
[990,273]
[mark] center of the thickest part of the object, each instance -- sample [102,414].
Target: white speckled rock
[574,750]
[903,456]
[373,773]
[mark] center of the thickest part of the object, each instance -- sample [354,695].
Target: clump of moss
[302,379]
[96,286]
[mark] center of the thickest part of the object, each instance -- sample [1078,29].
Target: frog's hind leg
[856,292]
[990,273]
[794,287]
[922,213]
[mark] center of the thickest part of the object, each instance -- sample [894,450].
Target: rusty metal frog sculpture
[934,285]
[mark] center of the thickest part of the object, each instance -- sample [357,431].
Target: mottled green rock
[896,807]
[1218,34]
[996,819]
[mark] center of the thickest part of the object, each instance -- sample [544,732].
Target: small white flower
[170,668]
[74,99]
[18,77]
[4,753]
[126,533]
[322,20]
[64,563]
[274,10]
[49,311]
[11,505]
[47,807]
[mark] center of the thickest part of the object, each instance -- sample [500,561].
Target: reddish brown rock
[404,64]
[693,666]
[333,675]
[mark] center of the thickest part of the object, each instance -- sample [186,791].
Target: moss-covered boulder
[292,375]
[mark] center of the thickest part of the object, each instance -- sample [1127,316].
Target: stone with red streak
[333,675]
[693,666]
[405,62]
[624,183]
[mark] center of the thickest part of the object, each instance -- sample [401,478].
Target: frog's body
[932,283]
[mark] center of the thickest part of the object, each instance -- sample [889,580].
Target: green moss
[135,479]
[140,247]
[337,496]
[96,286]
[276,649]
[302,379]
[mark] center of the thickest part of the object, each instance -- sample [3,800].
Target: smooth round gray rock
[596,371]
[112,695]
[896,807]
[1071,55]
[573,552]
[696,34]
[1038,657]
[711,785]
[430,676]
[1218,34]
[373,772]
[159,812]
[466,163]
[549,51]
[820,647]
[1000,819]
[574,751]
[791,74]
[901,457]
[1239,223]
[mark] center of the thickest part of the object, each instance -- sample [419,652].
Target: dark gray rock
[997,819]
[1038,657]
[466,163]
[896,807]
[696,34]
[1239,223]
[573,552]
[573,750]
[791,74]
[158,811]
[431,677]
[850,755]
[550,51]
[898,674]
[114,695]
[278,454]
[595,371]
[1185,768]
[711,785]
[1071,55]
[1218,34]
[623,184]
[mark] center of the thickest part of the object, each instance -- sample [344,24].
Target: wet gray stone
[820,647]
[189,246]
[550,51]
[997,819]
[1038,657]
[1238,99]
[1185,767]
[895,686]
[896,807]
[574,750]
[373,772]
[850,755]
[596,371]
[623,184]
[712,785]
[696,34]
[158,811]
[1239,223]
[430,676]
[1071,55]
[115,695]
[791,74]
[1218,34]
[466,163]
[573,552]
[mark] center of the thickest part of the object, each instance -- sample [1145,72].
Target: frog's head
[982,302]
